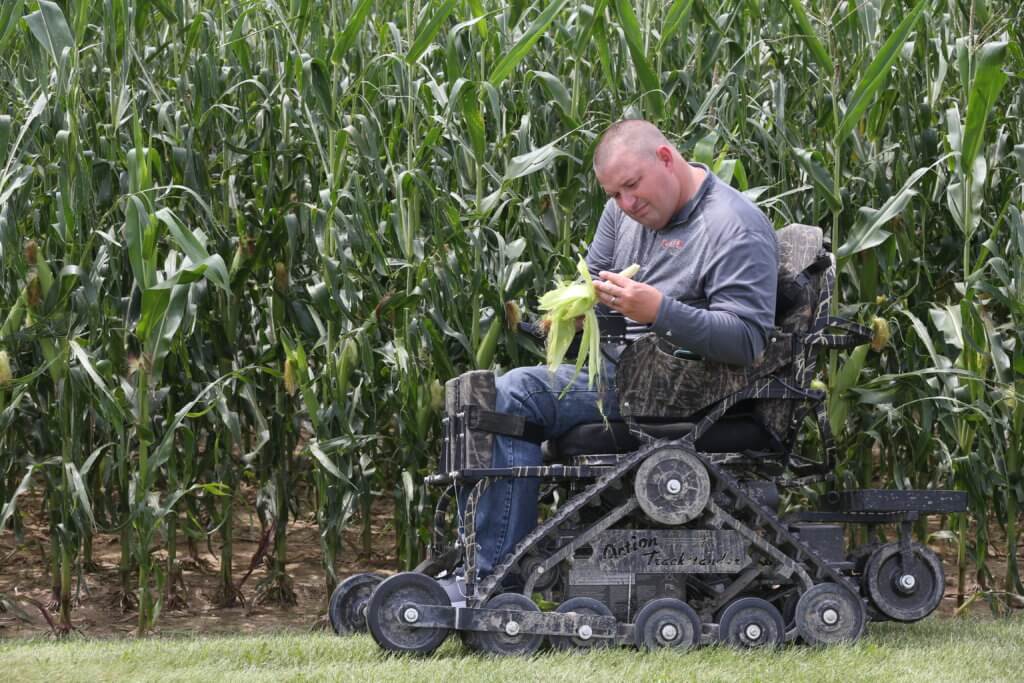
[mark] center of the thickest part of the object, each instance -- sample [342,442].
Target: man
[707,282]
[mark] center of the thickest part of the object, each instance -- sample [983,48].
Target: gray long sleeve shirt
[715,262]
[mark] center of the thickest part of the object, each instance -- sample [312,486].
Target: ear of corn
[631,270]
[879,334]
[563,305]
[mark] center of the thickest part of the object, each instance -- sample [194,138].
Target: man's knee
[516,388]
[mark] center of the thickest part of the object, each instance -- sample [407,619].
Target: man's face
[643,186]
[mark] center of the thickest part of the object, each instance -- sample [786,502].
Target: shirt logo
[674,245]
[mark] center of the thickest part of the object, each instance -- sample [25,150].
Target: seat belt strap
[506,424]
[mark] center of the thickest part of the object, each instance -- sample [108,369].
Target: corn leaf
[429,31]
[347,38]
[877,72]
[819,177]
[50,28]
[80,491]
[677,15]
[635,43]
[10,13]
[989,79]
[212,267]
[810,36]
[11,504]
[508,63]
[868,232]
[533,161]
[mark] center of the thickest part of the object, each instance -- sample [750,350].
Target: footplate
[883,501]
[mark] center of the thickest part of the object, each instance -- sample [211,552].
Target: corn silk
[562,306]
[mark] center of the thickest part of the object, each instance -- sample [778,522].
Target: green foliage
[247,243]
[935,649]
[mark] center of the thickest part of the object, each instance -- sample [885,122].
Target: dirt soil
[24,571]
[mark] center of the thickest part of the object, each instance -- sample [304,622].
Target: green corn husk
[5,368]
[565,303]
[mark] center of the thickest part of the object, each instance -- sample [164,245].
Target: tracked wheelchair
[667,531]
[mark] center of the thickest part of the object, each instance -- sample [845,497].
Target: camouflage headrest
[799,246]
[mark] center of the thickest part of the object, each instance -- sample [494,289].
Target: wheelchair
[666,530]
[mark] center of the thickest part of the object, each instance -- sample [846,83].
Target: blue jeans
[508,509]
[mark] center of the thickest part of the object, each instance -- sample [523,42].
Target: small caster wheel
[904,592]
[347,608]
[546,580]
[583,639]
[391,613]
[829,613]
[750,623]
[510,640]
[667,622]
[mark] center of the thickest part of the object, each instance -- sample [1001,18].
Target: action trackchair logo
[674,245]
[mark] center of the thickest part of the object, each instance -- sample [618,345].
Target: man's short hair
[637,135]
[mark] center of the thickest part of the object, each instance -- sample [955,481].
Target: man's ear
[664,154]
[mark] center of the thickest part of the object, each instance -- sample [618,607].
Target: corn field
[245,243]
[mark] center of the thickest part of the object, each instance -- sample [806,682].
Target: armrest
[853,334]
[612,327]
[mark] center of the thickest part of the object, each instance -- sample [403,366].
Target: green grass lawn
[933,651]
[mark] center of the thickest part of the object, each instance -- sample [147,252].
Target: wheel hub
[586,632]
[673,486]
[669,632]
[830,616]
[512,628]
[906,583]
[411,615]
[753,632]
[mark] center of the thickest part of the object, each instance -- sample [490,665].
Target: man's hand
[630,298]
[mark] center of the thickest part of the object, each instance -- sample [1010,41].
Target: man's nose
[626,200]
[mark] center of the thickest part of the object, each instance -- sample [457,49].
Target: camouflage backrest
[799,247]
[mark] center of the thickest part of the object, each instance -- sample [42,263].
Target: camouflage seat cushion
[733,433]
[654,383]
